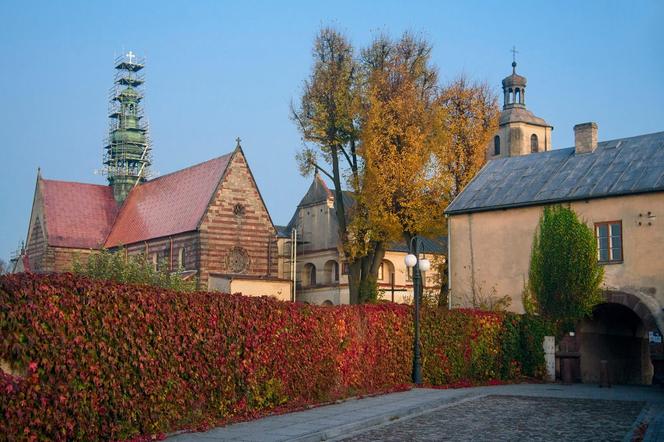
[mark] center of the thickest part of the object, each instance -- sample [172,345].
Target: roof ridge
[73,182]
[189,167]
[562,175]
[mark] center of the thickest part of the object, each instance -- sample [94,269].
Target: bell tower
[520,132]
[127,149]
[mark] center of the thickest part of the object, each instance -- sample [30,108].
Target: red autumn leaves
[99,360]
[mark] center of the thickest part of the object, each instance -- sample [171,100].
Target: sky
[218,70]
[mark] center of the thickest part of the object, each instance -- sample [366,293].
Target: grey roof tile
[616,167]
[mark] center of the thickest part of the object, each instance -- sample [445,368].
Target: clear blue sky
[217,70]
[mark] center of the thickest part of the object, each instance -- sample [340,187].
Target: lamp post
[413,261]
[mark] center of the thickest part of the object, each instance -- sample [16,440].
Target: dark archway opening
[615,333]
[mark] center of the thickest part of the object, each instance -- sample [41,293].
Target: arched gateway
[618,333]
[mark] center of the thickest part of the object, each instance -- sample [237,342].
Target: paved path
[395,412]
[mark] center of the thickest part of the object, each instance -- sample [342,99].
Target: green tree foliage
[564,278]
[134,269]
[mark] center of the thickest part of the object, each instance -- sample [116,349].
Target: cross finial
[131,56]
[237,140]
[514,52]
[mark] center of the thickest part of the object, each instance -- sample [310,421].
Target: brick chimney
[585,137]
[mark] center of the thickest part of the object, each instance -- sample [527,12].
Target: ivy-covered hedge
[99,360]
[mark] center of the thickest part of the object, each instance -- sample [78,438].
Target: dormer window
[496,145]
[534,143]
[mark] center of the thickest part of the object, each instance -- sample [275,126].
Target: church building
[318,265]
[615,186]
[206,221]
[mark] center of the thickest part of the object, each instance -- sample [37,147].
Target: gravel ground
[513,418]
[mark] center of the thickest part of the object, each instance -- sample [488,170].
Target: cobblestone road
[512,418]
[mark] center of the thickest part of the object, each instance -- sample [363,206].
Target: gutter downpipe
[449,263]
[294,261]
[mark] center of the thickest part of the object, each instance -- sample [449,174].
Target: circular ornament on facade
[237,260]
[238,210]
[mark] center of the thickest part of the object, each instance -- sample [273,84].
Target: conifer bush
[564,278]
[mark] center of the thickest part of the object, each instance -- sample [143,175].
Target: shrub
[135,269]
[460,345]
[110,361]
[102,360]
[532,331]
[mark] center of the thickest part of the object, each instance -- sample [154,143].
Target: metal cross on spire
[131,56]
[237,140]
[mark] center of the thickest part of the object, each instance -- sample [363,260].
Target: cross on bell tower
[514,86]
[514,52]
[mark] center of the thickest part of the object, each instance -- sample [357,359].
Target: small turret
[127,151]
[520,132]
[514,90]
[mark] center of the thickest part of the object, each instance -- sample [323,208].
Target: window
[331,272]
[609,242]
[380,271]
[496,145]
[237,260]
[534,143]
[312,275]
[344,268]
[309,275]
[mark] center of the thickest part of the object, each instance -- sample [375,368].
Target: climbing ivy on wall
[564,278]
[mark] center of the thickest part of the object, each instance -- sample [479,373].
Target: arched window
[387,269]
[312,275]
[534,143]
[309,275]
[331,272]
[511,96]
[517,95]
[496,145]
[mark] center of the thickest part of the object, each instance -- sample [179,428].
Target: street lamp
[412,261]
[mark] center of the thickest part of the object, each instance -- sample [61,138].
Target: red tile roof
[77,215]
[168,205]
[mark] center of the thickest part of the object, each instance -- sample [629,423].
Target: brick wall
[36,248]
[167,249]
[237,219]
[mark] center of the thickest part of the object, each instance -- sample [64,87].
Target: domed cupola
[514,89]
[520,132]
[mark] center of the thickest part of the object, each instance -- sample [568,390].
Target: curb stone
[348,430]
[409,414]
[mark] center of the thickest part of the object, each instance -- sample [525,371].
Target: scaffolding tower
[127,150]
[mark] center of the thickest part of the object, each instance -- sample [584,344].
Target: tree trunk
[354,280]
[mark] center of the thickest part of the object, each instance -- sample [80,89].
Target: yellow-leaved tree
[386,129]
[420,143]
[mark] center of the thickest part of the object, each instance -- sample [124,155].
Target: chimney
[585,137]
